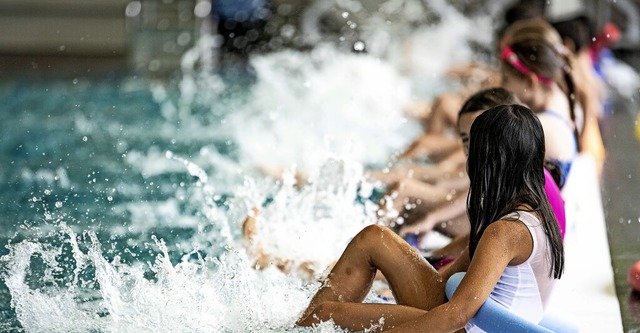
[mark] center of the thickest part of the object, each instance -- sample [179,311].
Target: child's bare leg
[413,281]
[391,175]
[425,173]
[425,195]
[362,316]
[455,227]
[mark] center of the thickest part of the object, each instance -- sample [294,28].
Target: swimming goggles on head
[512,58]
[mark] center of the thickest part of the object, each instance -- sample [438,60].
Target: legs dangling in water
[416,285]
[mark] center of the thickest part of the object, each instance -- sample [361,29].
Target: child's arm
[503,243]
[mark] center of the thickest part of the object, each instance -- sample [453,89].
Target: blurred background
[151,35]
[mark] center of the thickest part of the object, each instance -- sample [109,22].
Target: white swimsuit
[524,289]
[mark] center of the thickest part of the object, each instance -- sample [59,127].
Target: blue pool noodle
[495,318]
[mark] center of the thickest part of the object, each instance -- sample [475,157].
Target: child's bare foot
[249,224]
[262,258]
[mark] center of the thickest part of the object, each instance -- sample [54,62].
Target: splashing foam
[86,291]
[308,106]
[205,295]
[426,55]
[313,226]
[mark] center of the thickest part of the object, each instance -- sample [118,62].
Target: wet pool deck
[603,233]
[621,199]
[585,295]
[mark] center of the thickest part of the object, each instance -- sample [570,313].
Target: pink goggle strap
[509,56]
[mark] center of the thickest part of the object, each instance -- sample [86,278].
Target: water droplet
[133,8]
[58,204]
[84,138]
[110,198]
[345,14]
[184,38]
[202,9]
[75,81]
[358,46]
[47,192]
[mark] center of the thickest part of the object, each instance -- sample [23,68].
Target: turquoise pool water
[65,146]
[123,198]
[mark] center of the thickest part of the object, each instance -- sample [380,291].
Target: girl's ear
[570,44]
[533,82]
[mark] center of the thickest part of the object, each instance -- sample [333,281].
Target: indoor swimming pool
[123,196]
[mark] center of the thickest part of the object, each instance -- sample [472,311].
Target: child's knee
[371,234]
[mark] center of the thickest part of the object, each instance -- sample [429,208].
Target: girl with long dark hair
[515,251]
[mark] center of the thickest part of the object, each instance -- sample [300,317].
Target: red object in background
[634,276]
[609,35]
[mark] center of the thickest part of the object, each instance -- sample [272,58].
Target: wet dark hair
[525,9]
[519,11]
[538,47]
[505,166]
[555,171]
[486,99]
[579,30]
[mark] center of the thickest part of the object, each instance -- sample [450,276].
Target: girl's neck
[556,100]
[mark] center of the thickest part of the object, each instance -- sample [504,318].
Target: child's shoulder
[510,230]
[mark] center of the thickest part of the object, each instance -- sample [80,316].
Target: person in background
[537,68]
[577,34]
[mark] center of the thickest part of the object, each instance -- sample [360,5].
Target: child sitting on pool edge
[514,236]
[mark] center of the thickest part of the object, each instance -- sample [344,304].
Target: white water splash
[207,295]
[308,106]
[314,225]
